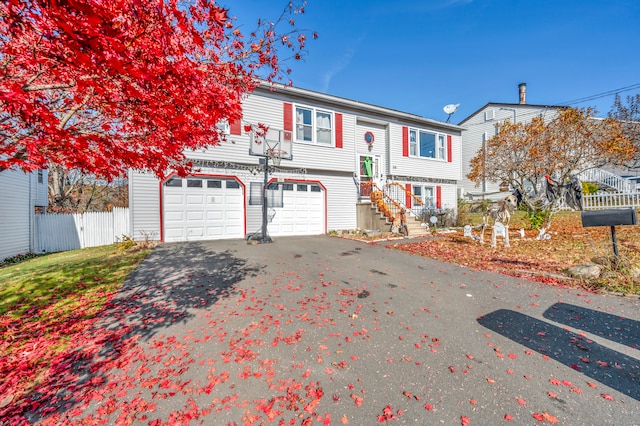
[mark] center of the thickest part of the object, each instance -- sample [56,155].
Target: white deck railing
[607,178]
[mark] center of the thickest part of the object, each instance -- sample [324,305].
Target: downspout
[31,207]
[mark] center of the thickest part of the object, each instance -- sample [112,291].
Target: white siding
[144,203]
[423,167]
[476,126]
[41,189]
[15,213]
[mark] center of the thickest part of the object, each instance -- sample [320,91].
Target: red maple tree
[101,86]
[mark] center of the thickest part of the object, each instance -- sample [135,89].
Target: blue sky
[417,56]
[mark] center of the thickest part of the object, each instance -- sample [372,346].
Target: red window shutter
[288,116]
[449,149]
[438,197]
[405,141]
[235,128]
[408,196]
[338,130]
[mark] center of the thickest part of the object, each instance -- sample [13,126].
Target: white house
[480,126]
[21,194]
[339,146]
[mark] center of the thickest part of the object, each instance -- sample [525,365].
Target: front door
[369,173]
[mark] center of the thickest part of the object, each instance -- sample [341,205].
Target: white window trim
[438,137]
[423,192]
[314,126]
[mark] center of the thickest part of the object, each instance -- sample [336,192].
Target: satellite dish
[450,109]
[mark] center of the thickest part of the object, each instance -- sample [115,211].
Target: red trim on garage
[324,190]
[244,190]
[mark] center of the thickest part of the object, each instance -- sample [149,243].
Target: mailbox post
[612,218]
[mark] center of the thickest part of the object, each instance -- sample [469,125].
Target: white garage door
[302,212]
[203,208]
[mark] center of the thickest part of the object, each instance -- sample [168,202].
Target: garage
[199,208]
[302,211]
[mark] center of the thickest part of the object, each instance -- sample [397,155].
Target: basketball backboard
[274,143]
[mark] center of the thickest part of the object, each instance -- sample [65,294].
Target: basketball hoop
[276,155]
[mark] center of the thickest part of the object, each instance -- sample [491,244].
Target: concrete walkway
[321,330]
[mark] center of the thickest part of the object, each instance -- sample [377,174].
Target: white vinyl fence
[61,232]
[611,200]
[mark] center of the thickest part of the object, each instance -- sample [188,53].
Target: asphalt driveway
[321,330]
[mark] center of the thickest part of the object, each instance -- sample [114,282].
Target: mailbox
[610,217]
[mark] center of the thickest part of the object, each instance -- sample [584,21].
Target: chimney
[522,90]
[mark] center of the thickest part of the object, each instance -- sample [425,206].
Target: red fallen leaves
[521,401]
[607,396]
[508,417]
[428,407]
[357,400]
[464,420]
[387,414]
[545,417]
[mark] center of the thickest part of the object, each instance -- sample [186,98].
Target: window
[287,187]
[315,188]
[427,144]
[194,183]
[302,188]
[413,146]
[314,126]
[233,184]
[174,182]
[426,194]
[214,184]
[40,176]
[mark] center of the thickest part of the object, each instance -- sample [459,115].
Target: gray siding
[16,213]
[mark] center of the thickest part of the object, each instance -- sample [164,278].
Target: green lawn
[60,279]
[47,306]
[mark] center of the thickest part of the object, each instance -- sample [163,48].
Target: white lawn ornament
[500,213]
[467,231]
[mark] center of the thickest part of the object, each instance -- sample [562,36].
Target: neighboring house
[339,147]
[21,193]
[480,126]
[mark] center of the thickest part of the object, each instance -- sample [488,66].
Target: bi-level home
[480,126]
[21,193]
[339,150]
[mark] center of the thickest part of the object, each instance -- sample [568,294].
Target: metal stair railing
[399,193]
[606,178]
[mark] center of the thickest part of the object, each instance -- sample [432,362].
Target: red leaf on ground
[521,401]
[428,407]
[464,420]
[607,396]
[551,419]
[508,417]
[357,399]
[552,395]
[538,417]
